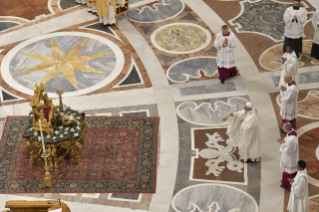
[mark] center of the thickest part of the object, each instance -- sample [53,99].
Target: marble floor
[163,63]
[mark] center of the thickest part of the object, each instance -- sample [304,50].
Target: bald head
[288,78]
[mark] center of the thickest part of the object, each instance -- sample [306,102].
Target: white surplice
[289,153]
[315,22]
[290,67]
[298,200]
[295,29]
[110,19]
[225,53]
[245,135]
[288,108]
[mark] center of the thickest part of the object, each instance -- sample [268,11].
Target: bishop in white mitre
[290,66]
[295,17]
[244,132]
[289,97]
[298,200]
[225,43]
[315,45]
[289,155]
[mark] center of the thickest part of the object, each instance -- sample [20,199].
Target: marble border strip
[314,3]
[242,8]
[207,42]
[5,65]
[196,156]
[258,95]
[50,7]
[169,144]
[14,17]
[135,111]
[125,200]
[312,197]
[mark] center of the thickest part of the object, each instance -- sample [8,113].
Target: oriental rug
[119,155]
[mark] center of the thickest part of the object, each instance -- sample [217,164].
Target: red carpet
[119,155]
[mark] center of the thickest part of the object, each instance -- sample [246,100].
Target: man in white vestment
[289,97]
[295,17]
[315,45]
[289,155]
[290,66]
[244,132]
[225,43]
[298,200]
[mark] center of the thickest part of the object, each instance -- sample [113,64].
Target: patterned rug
[119,155]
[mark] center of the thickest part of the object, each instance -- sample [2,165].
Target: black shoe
[248,161]
[281,130]
[231,75]
[222,81]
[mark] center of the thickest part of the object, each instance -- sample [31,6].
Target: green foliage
[60,133]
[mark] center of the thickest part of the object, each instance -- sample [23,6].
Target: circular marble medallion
[181,38]
[85,63]
[272,17]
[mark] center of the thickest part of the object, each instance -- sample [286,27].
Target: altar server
[244,132]
[225,43]
[289,97]
[290,66]
[289,155]
[315,45]
[105,10]
[295,17]
[298,200]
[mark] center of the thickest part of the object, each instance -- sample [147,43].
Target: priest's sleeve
[232,43]
[218,44]
[288,18]
[288,147]
[315,22]
[289,96]
[302,19]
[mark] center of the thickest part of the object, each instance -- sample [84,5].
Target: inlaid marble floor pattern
[162,62]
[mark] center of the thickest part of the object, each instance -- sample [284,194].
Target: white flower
[66,128]
[61,127]
[78,117]
[65,132]
[54,137]
[76,134]
[31,128]
[61,136]
[31,115]
[39,138]
[78,127]
[72,130]
[35,133]
[48,136]
[56,132]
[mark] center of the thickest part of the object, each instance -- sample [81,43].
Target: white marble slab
[65,21]
[314,3]
[19,35]
[166,110]
[6,110]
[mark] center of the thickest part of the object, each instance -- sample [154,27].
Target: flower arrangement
[60,133]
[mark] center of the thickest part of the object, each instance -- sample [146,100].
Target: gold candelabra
[60,92]
[47,179]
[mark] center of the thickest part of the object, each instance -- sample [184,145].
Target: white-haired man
[289,155]
[244,132]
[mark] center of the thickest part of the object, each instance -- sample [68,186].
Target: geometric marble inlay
[86,62]
[7,25]
[181,71]
[181,38]
[202,197]
[6,96]
[215,158]
[162,12]
[206,114]
[263,17]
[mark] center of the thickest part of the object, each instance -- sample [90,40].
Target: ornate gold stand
[48,179]
[60,92]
